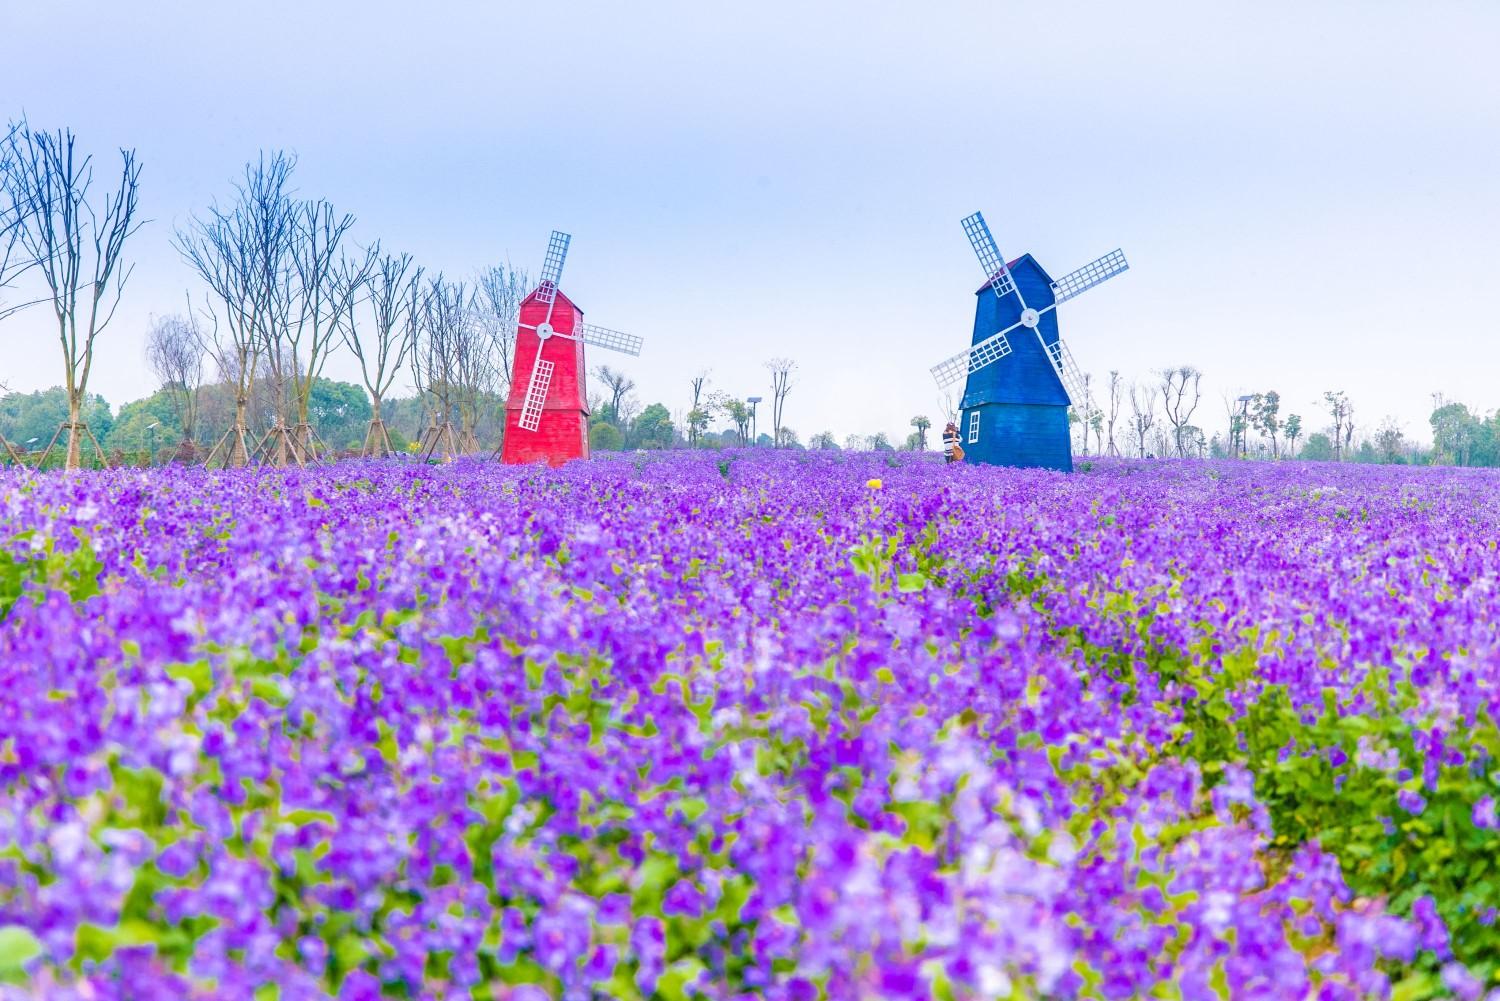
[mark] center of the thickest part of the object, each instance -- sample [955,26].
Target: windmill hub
[1030,317]
[544,330]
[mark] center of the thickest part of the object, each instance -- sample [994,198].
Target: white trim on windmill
[973,426]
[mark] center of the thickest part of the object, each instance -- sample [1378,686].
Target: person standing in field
[952,452]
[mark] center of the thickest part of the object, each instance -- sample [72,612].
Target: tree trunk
[75,431]
[237,456]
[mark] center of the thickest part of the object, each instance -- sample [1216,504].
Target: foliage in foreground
[757,725]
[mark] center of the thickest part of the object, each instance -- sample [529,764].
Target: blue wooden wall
[1022,404]
[1019,434]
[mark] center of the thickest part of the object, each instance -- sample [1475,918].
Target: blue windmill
[1021,377]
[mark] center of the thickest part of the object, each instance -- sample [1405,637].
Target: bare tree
[617,385]
[1390,439]
[1236,412]
[1082,415]
[10,234]
[474,370]
[499,293]
[390,288]
[1176,384]
[174,350]
[275,363]
[950,403]
[697,417]
[629,409]
[1342,412]
[424,360]
[324,281]
[437,364]
[241,253]
[1116,397]
[76,246]
[305,309]
[1142,415]
[781,385]
[13,214]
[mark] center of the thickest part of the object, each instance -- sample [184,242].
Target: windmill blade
[615,340]
[986,352]
[990,258]
[536,394]
[1069,374]
[552,266]
[1089,275]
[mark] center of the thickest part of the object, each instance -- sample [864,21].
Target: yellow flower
[873,484]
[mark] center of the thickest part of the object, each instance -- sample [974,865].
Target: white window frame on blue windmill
[973,426]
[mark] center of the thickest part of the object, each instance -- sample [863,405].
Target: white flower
[1216,910]
[67,842]
[993,981]
[1062,850]
[184,756]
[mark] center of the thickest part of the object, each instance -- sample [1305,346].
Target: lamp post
[30,442]
[753,400]
[151,448]
[1244,402]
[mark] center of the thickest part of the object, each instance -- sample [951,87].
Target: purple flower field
[750,725]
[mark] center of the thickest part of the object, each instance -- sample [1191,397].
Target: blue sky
[1309,194]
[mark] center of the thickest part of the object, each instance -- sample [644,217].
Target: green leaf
[17,948]
[302,818]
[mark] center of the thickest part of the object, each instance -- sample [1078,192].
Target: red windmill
[547,415]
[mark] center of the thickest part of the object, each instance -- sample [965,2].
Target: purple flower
[443,718]
[648,944]
[683,899]
[1463,984]
[1433,933]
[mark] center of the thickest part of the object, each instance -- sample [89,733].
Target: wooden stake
[10,450]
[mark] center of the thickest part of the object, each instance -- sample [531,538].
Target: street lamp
[1244,402]
[151,437]
[752,400]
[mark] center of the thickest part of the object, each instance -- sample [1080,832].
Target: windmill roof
[1011,266]
[560,295]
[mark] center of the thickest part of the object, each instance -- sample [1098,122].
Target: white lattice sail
[552,266]
[990,258]
[536,396]
[614,340]
[1091,274]
[986,352]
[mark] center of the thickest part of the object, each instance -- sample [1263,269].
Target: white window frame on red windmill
[973,426]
